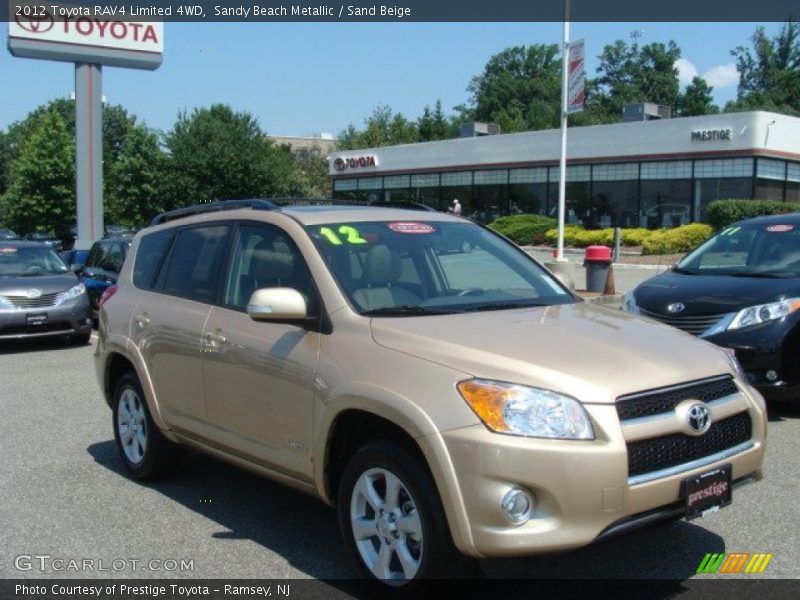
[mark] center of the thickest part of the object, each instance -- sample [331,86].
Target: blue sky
[304,78]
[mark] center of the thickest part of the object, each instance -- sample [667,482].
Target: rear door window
[195,263]
[152,249]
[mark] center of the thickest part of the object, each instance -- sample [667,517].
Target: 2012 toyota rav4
[440,401]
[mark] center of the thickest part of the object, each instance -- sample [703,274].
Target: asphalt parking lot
[63,493]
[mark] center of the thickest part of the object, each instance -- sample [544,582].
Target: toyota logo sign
[36,24]
[699,418]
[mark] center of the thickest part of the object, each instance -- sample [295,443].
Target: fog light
[772,375]
[517,506]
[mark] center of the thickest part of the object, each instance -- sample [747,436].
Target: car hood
[11,285]
[710,294]
[587,351]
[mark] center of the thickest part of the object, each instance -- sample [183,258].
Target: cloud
[722,76]
[686,71]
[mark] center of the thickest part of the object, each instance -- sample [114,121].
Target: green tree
[311,172]
[138,174]
[769,73]
[41,189]
[434,125]
[630,73]
[216,153]
[519,88]
[382,128]
[5,161]
[696,99]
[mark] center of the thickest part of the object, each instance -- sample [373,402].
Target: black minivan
[741,290]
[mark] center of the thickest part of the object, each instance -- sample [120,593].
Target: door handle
[142,320]
[215,338]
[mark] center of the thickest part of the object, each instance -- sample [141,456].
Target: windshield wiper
[684,271]
[503,306]
[405,310]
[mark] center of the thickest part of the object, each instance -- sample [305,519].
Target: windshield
[30,261]
[765,250]
[415,268]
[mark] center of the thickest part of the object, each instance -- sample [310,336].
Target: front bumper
[769,355]
[73,317]
[582,489]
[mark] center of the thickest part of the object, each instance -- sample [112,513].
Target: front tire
[392,520]
[145,452]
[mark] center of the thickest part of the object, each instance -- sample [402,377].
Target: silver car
[39,295]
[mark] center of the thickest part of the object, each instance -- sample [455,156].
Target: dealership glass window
[793,183]
[676,169]
[770,169]
[665,203]
[616,203]
[615,172]
[491,177]
[429,196]
[575,173]
[345,185]
[456,179]
[394,182]
[528,198]
[536,175]
[770,177]
[769,189]
[723,167]
[577,202]
[425,180]
[464,195]
[370,183]
[719,188]
[398,195]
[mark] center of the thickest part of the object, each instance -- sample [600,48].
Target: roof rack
[198,209]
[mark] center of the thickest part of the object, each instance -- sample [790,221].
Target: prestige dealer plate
[707,492]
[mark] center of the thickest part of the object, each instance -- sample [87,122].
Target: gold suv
[422,374]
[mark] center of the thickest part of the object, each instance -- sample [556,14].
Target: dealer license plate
[708,492]
[36,318]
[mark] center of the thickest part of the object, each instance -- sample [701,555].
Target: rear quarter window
[152,249]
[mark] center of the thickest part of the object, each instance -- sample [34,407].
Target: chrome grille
[662,400]
[43,301]
[694,324]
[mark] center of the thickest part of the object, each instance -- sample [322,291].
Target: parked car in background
[442,402]
[102,267]
[8,234]
[39,296]
[46,238]
[74,259]
[741,290]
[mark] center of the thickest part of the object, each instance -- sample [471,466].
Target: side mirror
[277,304]
[77,269]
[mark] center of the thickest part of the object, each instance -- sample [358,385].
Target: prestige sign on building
[83,34]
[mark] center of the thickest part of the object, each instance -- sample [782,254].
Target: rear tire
[145,452]
[392,521]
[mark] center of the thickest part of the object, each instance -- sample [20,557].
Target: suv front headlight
[72,293]
[526,411]
[761,313]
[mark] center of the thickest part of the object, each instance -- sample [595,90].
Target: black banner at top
[412,10]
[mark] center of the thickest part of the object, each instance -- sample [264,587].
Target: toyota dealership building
[658,173]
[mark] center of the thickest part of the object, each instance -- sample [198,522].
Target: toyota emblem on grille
[31,294]
[675,307]
[699,418]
